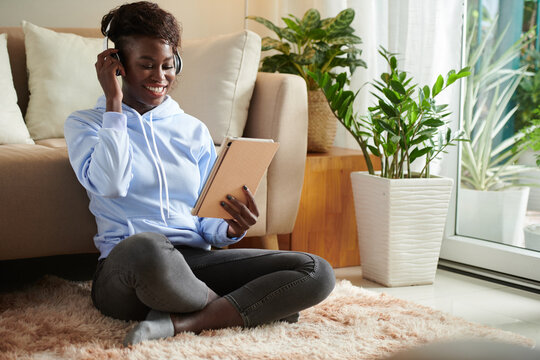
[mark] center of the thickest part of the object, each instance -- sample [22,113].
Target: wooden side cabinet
[326,224]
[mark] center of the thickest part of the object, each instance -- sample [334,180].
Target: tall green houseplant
[312,44]
[400,216]
[405,123]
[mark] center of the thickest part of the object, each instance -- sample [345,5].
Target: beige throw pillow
[61,78]
[12,127]
[217,81]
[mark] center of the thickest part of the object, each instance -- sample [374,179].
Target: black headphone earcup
[178,63]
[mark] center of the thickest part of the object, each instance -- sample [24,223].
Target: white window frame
[491,259]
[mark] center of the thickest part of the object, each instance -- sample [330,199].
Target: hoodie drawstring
[161,166]
[158,168]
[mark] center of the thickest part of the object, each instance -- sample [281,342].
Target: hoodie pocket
[140,224]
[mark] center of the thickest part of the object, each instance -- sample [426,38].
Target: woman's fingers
[250,201]
[108,61]
[237,230]
[244,215]
[236,214]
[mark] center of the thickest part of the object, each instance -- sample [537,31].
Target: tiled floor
[470,298]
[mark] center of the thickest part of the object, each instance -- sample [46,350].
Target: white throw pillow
[217,81]
[12,127]
[61,78]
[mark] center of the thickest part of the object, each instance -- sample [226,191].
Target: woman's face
[150,72]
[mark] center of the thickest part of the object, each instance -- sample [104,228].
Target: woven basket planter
[322,124]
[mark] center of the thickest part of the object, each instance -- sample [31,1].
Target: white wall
[200,18]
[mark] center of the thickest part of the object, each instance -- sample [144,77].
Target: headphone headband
[178,63]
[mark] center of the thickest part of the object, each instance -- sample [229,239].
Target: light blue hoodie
[144,173]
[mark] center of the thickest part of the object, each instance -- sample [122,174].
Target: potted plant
[493,195]
[400,214]
[313,44]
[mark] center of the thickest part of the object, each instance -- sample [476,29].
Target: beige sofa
[44,210]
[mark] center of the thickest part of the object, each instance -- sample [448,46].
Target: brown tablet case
[241,161]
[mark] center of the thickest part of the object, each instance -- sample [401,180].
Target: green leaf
[279,62]
[348,116]
[308,57]
[266,23]
[374,150]
[433,122]
[387,109]
[415,153]
[385,126]
[344,40]
[396,85]
[391,95]
[341,21]
[393,63]
[452,76]
[316,34]
[420,139]
[437,87]
[311,20]
[268,43]
[426,91]
[293,26]
[288,34]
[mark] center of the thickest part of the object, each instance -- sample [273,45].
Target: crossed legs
[146,278]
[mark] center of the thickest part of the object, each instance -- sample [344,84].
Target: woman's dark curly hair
[141,18]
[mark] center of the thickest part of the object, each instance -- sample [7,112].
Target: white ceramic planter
[400,227]
[532,237]
[493,215]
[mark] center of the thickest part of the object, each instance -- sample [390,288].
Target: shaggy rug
[55,319]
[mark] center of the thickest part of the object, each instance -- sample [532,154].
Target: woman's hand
[106,67]
[244,215]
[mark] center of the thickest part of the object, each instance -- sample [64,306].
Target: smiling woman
[149,72]
[145,54]
[155,260]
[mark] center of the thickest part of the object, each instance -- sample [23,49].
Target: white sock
[158,325]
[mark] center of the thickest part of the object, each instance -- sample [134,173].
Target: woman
[143,162]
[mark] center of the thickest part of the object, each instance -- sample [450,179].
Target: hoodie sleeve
[100,154]
[214,231]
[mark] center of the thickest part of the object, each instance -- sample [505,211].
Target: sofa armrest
[43,208]
[278,110]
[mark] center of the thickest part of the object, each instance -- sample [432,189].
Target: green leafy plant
[405,124]
[312,44]
[487,164]
[528,92]
[527,96]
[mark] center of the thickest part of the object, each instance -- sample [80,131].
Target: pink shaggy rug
[55,319]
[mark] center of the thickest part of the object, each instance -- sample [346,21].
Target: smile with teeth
[156,89]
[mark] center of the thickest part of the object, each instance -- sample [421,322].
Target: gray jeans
[145,271]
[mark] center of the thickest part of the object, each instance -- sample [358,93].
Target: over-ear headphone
[177,59]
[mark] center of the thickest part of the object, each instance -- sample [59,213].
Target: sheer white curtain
[425,33]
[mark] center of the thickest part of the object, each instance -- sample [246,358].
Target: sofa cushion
[14,129]
[215,85]
[217,81]
[61,78]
